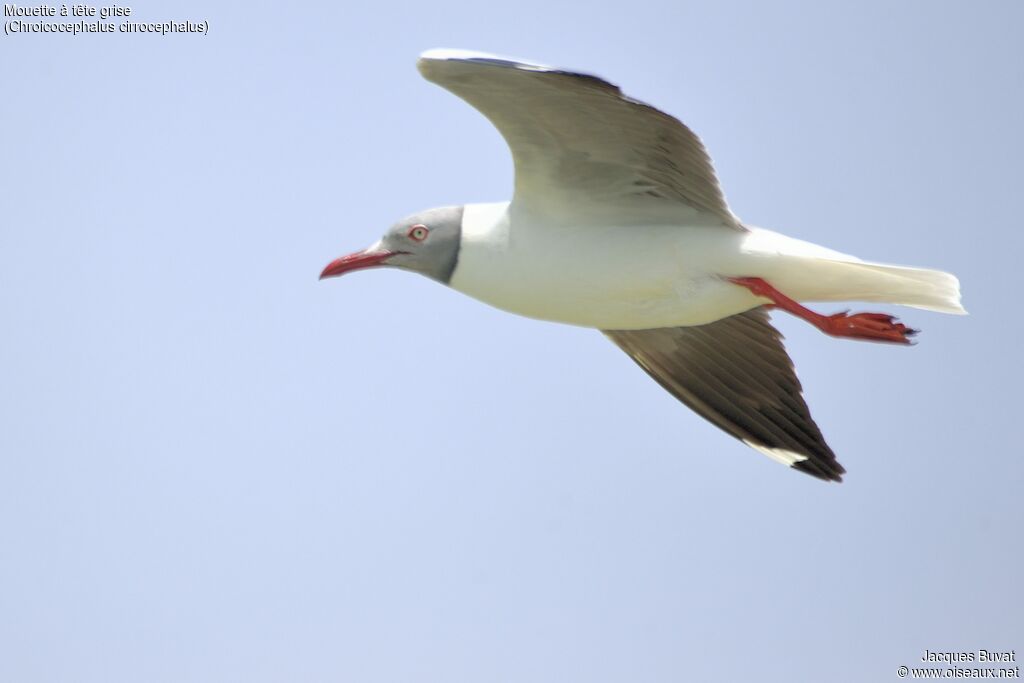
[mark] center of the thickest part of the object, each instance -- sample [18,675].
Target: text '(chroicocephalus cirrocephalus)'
[617,222]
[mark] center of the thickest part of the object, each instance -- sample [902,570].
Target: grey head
[426,243]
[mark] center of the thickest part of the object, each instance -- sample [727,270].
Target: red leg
[871,326]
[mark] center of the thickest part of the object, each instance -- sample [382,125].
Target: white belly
[607,277]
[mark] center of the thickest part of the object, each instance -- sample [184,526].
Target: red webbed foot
[871,326]
[879,327]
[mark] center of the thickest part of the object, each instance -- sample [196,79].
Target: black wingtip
[831,471]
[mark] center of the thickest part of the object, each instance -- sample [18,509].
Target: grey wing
[736,373]
[581,148]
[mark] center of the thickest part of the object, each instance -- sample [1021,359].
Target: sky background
[214,467]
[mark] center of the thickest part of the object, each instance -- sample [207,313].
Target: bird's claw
[871,326]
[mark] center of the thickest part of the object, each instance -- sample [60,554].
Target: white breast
[608,277]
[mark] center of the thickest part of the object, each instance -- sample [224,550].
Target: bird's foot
[871,326]
[879,327]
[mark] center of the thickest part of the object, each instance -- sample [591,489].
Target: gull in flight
[617,223]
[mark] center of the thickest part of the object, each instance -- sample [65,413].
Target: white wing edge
[455,54]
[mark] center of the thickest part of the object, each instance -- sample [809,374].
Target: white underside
[639,277]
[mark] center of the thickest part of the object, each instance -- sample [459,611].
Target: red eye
[419,232]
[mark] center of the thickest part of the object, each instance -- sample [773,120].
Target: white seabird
[618,223]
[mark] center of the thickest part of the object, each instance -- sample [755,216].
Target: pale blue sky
[215,468]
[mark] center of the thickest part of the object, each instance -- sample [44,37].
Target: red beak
[361,259]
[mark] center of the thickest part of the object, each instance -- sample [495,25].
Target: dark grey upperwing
[584,149]
[736,373]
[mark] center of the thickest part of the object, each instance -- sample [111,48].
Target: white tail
[933,290]
[809,272]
